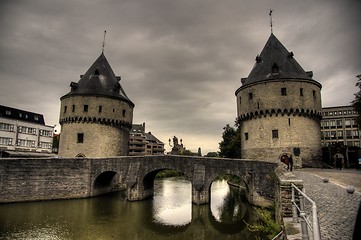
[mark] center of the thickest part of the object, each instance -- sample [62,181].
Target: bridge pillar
[200,195]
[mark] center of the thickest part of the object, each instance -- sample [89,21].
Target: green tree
[230,146]
[212,154]
[356,103]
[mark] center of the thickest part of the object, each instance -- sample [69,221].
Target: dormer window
[275,69]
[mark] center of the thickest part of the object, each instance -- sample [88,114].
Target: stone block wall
[43,179]
[283,196]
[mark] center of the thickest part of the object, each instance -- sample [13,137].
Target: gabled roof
[275,62]
[151,138]
[99,80]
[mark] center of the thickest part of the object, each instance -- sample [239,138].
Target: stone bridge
[66,178]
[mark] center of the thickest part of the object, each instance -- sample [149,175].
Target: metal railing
[306,224]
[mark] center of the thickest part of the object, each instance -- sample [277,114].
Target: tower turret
[96,115]
[279,108]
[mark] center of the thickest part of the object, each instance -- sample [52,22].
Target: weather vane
[271,22]
[104,41]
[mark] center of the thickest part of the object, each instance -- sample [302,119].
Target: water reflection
[170,215]
[172,205]
[227,205]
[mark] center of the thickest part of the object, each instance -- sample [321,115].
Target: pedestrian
[290,163]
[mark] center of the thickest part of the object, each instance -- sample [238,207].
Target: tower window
[86,108]
[284,91]
[314,93]
[275,68]
[246,137]
[275,133]
[80,137]
[100,109]
[73,108]
[96,72]
[301,92]
[250,96]
[124,113]
[65,108]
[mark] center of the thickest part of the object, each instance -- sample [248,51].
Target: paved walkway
[337,209]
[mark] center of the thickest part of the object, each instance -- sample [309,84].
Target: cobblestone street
[336,207]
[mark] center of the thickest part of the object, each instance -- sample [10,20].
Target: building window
[340,134]
[45,145]
[6,141]
[100,109]
[7,127]
[124,113]
[338,123]
[86,107]
[36,118]
[45,133]
[65,108]
[314,94]
[284,91]
[301,92]
[355,133]
[250,96]
[275,133]
[73,108]
[8,112]
[246,137]
[80,137]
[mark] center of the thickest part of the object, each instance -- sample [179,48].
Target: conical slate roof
[275,62]
[99,80]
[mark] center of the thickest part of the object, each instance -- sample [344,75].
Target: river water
[170,214]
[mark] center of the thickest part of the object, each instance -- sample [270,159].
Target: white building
[24,134]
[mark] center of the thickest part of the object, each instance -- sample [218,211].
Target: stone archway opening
[171,193]
[228,201]
[107,182]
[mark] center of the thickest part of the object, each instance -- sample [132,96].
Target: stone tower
[96,115]
[279,108]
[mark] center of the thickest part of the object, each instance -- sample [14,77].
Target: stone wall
[43,179]
[283,195]
[106,126]
[295,116]
[63,178]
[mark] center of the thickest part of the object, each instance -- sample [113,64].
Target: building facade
[96,115]
[279,108]
[144,143]
[24,134]
[339,126]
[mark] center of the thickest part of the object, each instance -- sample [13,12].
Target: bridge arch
[148,180]
[106,182]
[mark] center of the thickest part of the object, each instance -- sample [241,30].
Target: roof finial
[104,41]
[271,22]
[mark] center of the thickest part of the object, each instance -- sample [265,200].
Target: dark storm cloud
[180,61]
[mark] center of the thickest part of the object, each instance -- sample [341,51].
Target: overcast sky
[180,60]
